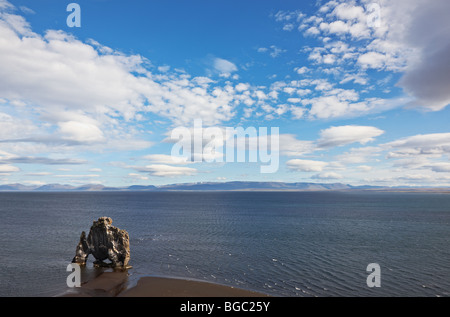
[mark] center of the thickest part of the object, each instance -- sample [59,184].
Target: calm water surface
[280,243]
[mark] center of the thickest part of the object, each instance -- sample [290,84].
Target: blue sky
[358,89]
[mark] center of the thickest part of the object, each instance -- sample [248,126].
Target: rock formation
[104,242]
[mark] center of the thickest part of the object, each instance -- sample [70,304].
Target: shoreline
[115,284]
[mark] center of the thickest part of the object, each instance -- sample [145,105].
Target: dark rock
[104,242]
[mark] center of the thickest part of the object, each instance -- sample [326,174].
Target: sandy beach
[114,284]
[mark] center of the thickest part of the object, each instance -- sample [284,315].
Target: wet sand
[111,284]
[170,287]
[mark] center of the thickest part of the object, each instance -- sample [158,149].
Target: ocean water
[279,243]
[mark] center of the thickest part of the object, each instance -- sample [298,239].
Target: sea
[287,244]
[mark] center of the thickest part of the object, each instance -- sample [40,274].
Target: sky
[359,91]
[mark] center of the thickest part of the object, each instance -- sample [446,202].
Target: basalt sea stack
[104,242]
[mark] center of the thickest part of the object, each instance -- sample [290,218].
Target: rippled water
[280,243]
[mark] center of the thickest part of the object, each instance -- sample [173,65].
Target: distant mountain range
[215,186]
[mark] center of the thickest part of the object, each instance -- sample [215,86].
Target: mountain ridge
[213,186]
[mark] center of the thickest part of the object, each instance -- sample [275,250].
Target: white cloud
[306,165]
[303,92]
[434,144]
[273,51]
[288,27]
[301,70]
[409,163]
[360,155]
[347,11]
[164,68]
[325,107]
[440,167]
[422,27]
[26,10]
[343,135]
[224,66]
[423,140]
[332,102]
[365,168]
[138,177]
[428,154]
[166,159]
[40,174]
[312,31]
[343,104]
[329,59]
[276,51]
[291,146]
[49,72]
[327,175]
[162,170]
[242,87]
[294,100]
[81,131]
[346,19]
[8,168]
[372,60]
[297,112]
[337,27]
[13,127]
[412,38]
[285,16]
[78,176]
[5,5]
[361,79]
[40,160]
[415,177]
